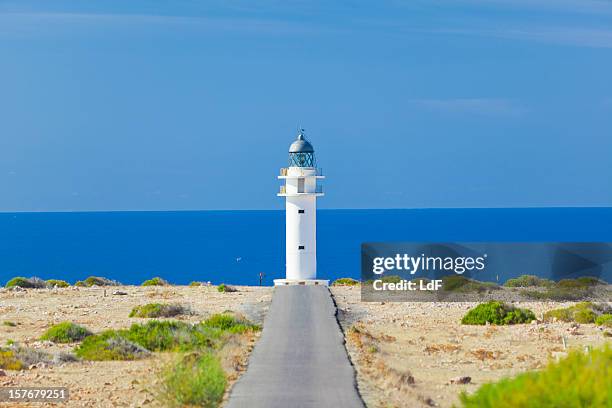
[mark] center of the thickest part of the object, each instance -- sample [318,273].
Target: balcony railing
[284,171]
[318,190]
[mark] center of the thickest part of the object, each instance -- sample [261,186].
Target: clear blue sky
[151,105]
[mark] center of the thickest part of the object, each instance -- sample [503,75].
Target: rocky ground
[418,354]
[113,383]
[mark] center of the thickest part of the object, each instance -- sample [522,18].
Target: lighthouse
[301,189]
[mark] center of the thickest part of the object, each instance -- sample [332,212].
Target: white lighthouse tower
[301,191]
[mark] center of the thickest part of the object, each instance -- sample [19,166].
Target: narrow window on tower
[301,247]
[300,211]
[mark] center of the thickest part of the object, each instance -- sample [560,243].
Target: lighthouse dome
[301,152]
[301,145]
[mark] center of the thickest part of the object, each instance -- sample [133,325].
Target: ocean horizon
[235,246]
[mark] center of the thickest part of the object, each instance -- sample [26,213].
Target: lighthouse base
[303,282]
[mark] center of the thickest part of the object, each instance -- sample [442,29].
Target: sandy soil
[114,383]
[407,354]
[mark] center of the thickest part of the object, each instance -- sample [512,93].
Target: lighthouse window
[300,185]
[301,247]
[300,211]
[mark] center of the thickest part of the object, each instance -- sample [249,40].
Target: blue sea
[235,246]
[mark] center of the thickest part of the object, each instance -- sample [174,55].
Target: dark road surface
[300,359]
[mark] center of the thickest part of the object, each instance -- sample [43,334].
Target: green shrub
[110,345]
[226,288]
[173,336]
[566,290]
[153,310]
[170,335]
[66,332]
[9,323]
[559,294]
[384,279]
[391,279]
[96,281]
[580,380]
[583,312]
[459,283]
[155,335]
[582,282]
[157,281]
[524,281]
[194,284]
[345,282]
[604,320]
[57,283]
[497,313]
[228,322]
[569,283]
[26,283]
[197,379]
[591,281]
[18,281]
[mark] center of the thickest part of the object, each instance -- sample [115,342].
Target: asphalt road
[300,359]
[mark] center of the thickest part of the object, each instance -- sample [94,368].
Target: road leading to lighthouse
[300,359]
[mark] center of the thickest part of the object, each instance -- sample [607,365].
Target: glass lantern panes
[301,160]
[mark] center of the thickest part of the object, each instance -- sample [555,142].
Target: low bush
[16,357]
[9,361]
[53,283]
[194,284]
[580,380]
[567,290]
[97,281]
[582,282]
[563,294]
[141,339]
[226,288]
[26,283]
[110,345]
[459,283]
[345,282]
[154,310]
[584,312]
[525,281]
[497,313]
[604,320]
[384,279]
[173,336]
[196,379]
[157,281]
[391,279]
[9,323]
[591,281]
[156,335]
[66,332]
[229,322]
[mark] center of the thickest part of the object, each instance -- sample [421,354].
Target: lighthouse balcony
[283,192]
[297,172]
